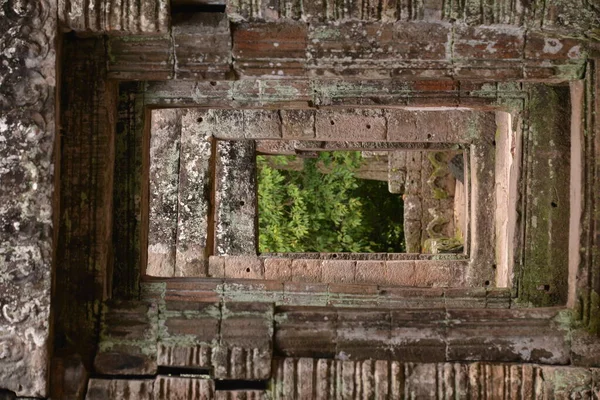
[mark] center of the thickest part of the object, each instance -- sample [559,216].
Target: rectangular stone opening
[203,214]
[360,201]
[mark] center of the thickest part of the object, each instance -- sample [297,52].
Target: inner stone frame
[515,98]
[429,184]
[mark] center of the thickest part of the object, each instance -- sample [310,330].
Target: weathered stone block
[420,41]
[216,266]
[126,389]
[401,273]
[276,50]
[244,267]
[262,124]
[180,388]
[397,171]
[510,336]
[245,346]
[342,271]
[223,124]
[128,339]
[585,349]
[298,124]
[202,46]
[306,332]
[374,272]
[363,334]
[438,273]
[307,271]
[488,43]
[143,57]
[193,211]
[278,268]
[236,218]
[418,335]
[163,192]
[548,47]
[113,17]
[351,124]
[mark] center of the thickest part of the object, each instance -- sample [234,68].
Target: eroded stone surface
[27,124]
[165,153]
[194,201]
[112,16]
[236,219]
[299,378]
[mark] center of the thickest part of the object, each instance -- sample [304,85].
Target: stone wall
[27,132]
[513,56]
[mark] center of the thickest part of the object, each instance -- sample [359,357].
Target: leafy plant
[312,211]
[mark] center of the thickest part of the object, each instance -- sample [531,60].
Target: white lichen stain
[574,52]
[552,46]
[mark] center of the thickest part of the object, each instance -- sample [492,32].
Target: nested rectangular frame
[312,147]
[384,129]
[518,99]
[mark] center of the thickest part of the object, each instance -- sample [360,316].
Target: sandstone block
[350,124]
[235,199]
[339,271]
[440,273]
[262,124]
[374,272]
[244,267]
[298,124]
[488,43]
[401,273]
[278,268]
[216,266]
[307,271]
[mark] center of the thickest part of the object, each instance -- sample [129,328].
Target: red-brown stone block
[278,268]
[244,267]
[273,49]
[351,124]
[374,272]
[339,271]
[307,271]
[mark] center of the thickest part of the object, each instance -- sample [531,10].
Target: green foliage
[312,211]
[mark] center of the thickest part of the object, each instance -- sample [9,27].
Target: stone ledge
[409,273]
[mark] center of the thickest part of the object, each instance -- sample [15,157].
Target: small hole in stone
[247,269]
[331,122]
[428,137]
[554,205]
[494,143]
[242,203]
[335,256]
[368,126]
[546,288]
[494,266]
[200,119]
[213,83]
[487,283]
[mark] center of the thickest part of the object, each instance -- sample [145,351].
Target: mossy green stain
[544,275]
[594,320]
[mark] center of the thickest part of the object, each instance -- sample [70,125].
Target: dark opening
[351,201]
[183,371]
[197,6]
[240,385]
[334,202]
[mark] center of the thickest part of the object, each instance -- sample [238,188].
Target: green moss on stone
[594,322]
